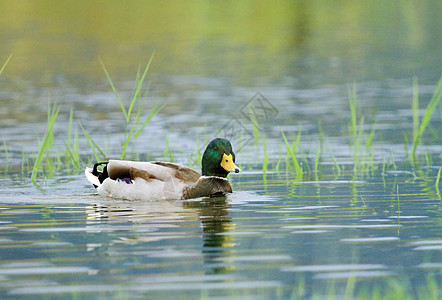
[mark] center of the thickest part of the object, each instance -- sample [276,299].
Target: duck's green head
[219,159]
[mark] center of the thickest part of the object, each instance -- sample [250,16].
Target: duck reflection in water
[216,224]
[156,222]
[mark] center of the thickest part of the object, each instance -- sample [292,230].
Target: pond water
[285,239]
[363,220]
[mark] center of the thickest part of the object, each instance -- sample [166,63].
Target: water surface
[254,242]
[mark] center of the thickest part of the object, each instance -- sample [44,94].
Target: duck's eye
[227,160]
[215,148]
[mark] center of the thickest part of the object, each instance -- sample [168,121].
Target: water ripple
[332,268]
[370,240]
[63,289]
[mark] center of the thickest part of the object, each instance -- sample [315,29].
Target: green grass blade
[76,146]
[46,142]
[139,86]
[74,161]
[369,141]
[353,112]
[76,149]
[415,108]
[266,157]
[318,154]
[68,141]
[438,177]
[72,156]
[156,109]
[338,168]
[24,163]
[71,117]
[137,78]
[298,169]
[93,145]
[127,140]
[4,65]
[436,184]
[254,122]
[434,102]
[126,116]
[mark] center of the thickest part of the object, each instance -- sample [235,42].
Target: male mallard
[164,180]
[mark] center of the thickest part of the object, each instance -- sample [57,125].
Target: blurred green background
[317,42]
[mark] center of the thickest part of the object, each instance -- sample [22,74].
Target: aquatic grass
[428,159]
[317,156]
[391,161]
[299,290]
[407,154]
[415,109]
[98,153]
[438,177]
[335,163]
[353,127]
[350,287]
[290,151]
[419,127]
[46,143]
[390,288]
[356,133]
[72,155]
[368,150]
[114,89]
[154,111]
[363,156]
[430,290]
[318,150]
[135,99]
[24,162]
[436,184]
[305,164]
[266,157]
[132,131]
[255,127]
[400,288]
[278,163]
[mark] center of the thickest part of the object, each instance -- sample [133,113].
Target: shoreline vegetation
[49,161]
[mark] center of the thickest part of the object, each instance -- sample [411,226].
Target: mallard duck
[164,180]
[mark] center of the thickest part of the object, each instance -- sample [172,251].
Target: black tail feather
[102,175]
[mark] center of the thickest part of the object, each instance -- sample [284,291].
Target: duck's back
[160,170]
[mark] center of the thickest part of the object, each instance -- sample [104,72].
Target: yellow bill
[228,164]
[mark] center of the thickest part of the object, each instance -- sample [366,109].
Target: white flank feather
[140,189]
